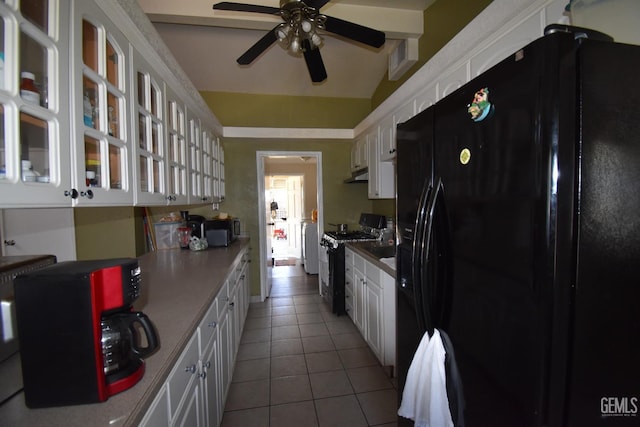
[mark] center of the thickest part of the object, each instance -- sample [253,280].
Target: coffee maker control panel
[132,283]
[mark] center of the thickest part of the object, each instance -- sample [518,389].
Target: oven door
[334,294]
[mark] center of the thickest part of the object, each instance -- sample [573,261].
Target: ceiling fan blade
[315,65]
[241,7]
[356,32]
[260,46]
[316,3]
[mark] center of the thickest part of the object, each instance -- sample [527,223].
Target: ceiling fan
[299,31]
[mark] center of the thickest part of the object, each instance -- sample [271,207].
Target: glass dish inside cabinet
[34,76]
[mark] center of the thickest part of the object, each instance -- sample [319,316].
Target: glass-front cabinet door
[196,193]
[177,179]
[34,153]
[150,167]
[222,190]
[215,185]
[207,164]
[102,146]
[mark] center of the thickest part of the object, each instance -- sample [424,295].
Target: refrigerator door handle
[441,267]
[417,252]
[433,273]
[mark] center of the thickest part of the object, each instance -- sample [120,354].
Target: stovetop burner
[332,239]
[350,235]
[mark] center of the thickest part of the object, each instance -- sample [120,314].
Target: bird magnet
[480,108]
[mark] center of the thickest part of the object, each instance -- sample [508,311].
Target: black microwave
[221,232]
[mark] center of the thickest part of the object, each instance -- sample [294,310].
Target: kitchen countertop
[364,249]
[178,287]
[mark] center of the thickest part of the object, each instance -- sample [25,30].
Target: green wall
[114,232]
[247,110]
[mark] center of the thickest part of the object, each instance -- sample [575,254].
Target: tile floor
[299,365]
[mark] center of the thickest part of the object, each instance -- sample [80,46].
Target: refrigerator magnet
[465,156]
[480,108]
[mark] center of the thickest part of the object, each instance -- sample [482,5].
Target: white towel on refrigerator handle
[424,398]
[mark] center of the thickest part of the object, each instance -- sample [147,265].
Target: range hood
[359,176]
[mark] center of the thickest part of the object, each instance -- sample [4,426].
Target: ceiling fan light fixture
[299,32]
[301,23]
[296,45]
[282,31]
[316,40]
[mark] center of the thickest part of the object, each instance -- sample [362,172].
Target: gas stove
[371,228]
[331,239]
[333,290]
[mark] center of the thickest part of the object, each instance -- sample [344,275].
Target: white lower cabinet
[182,377]
[372,295]
[195,391]
[373,315]
[191,413]
[211,381]
[158,413]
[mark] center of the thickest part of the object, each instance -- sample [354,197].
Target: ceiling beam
[394,22]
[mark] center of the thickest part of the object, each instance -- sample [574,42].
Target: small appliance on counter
[80,340]
[196,224]
[221,232]
[10,370]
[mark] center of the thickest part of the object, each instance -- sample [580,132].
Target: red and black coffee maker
[80,340]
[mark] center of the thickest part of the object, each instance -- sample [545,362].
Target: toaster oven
[221,232]
[10,367]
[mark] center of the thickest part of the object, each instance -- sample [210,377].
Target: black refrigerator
[518,218]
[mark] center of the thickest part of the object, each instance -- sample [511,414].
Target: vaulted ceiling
[206,43]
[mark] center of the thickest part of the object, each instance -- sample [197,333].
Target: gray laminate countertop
[366,250]
[178,287]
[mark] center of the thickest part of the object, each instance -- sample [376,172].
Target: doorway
[289,189]
[285,208]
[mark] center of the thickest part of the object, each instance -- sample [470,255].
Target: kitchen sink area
[382,255]
[380,250]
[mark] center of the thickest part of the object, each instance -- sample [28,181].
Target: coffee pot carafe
[121,340]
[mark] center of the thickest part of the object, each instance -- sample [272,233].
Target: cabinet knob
[212,324]
[88,194]
[392,151]
[190,369]
[73,193]
[207,365]
[202,375]
[9,242]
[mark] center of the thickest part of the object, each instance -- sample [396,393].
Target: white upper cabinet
[359,154]
[382,183]
[196,192]
[101,119]
[101,154]
[150,151]
[177,150]
[34,113]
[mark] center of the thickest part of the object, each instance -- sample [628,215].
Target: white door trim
[260,157]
